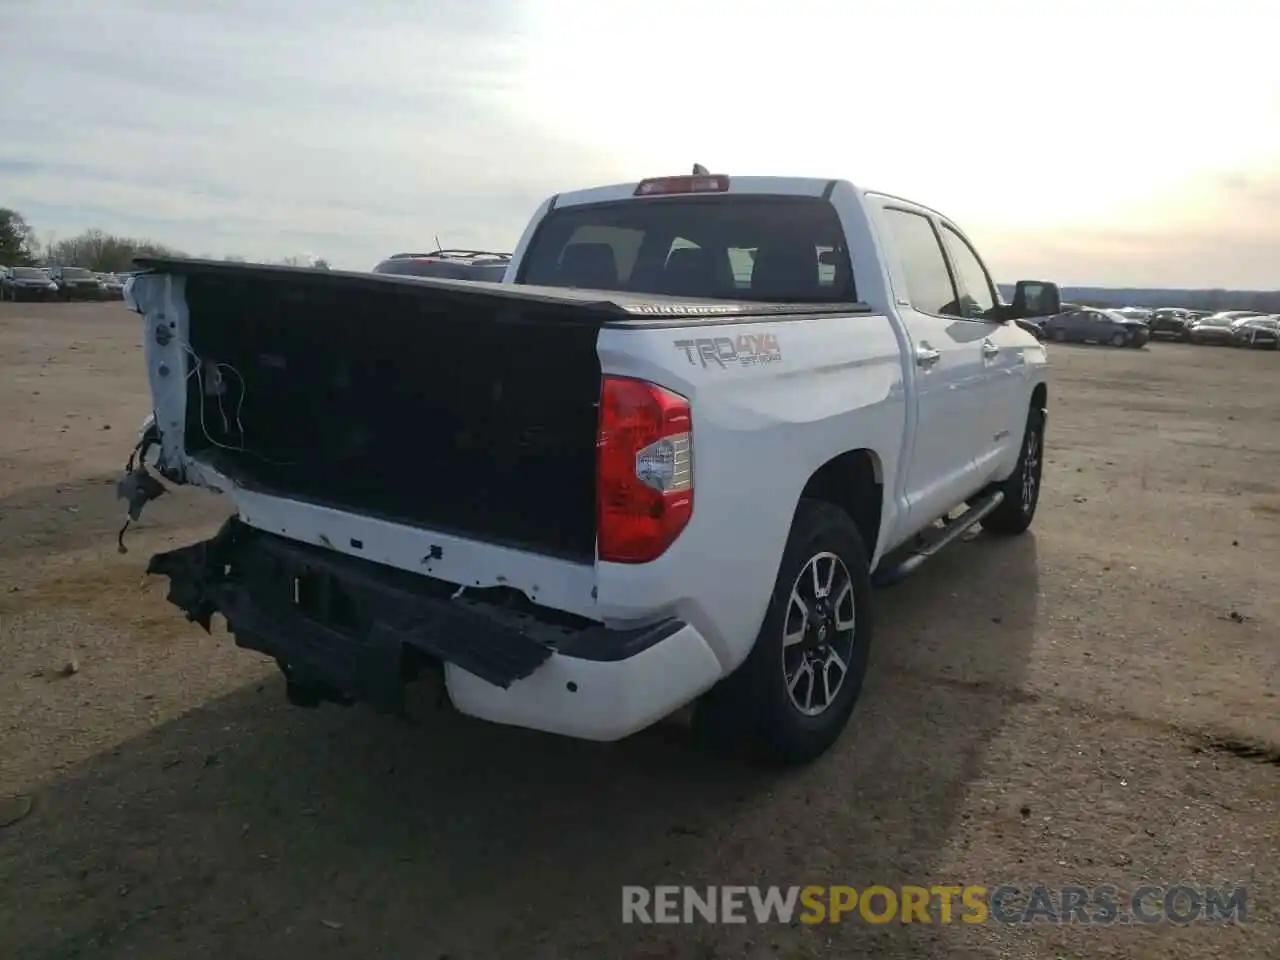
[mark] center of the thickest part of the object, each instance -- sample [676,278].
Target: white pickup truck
[660,464]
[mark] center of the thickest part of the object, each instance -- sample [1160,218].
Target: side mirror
[1035,298]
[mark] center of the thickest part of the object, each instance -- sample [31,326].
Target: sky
[1119,143]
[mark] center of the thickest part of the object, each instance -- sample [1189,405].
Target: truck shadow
[248,828]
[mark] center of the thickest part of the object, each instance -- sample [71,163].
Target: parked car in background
[1169,322]
[112,286]
[1214,330]
[77,283]
[26,283]
[448,264]
[1258,333]
[1135,313]
[1096,326]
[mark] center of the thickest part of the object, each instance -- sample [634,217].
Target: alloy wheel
[818,634]
[1031,471]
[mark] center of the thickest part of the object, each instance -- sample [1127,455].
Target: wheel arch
[853,481]
[1040,397]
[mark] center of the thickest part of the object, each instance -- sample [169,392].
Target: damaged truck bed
[416,471]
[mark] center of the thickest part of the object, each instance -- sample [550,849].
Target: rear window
[76,273]
[780,249]
[29,273]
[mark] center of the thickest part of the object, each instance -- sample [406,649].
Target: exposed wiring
[198,371]
[240,404]
[120,547]
[222,412]
[138,460]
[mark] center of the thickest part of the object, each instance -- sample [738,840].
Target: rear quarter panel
[760,431]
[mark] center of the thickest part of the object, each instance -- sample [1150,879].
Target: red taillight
[644,470]
[698,183]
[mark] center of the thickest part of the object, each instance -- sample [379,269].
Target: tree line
[94,249]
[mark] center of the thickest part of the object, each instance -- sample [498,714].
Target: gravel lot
[1073,707]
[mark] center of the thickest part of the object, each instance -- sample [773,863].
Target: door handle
[989,349]
[927,356]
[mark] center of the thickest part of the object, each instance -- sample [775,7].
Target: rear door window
[929,285]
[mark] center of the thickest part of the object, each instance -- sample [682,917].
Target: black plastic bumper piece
[345,629]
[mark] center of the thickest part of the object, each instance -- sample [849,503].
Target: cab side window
[929,285]
[977,295]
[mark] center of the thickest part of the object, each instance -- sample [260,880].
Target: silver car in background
[1087,325]
[1257,333]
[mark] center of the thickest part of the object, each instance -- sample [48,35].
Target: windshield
[767,248]
[29,273]
[76,273]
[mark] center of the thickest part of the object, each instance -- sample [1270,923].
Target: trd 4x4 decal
[746,350]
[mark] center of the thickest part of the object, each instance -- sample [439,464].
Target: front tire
[1022,488]
[792,697]
[1119,340]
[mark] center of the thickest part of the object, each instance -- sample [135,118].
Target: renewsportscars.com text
[1104,905]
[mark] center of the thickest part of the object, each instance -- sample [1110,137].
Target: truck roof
[605,307]
[778,186]
[770,186]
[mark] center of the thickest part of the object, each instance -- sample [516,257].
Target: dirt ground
[1075,706]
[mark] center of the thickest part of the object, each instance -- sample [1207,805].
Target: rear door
[1004,404]
[947,353]
[1099,327]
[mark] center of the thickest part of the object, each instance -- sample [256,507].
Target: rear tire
[1119,340]
[776,707]
[1059,336]
[1022,488]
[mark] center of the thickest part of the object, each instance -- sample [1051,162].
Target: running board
[954,529]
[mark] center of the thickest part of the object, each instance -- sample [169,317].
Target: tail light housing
[644,470]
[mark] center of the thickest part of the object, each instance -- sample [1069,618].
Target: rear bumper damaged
[346,630]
